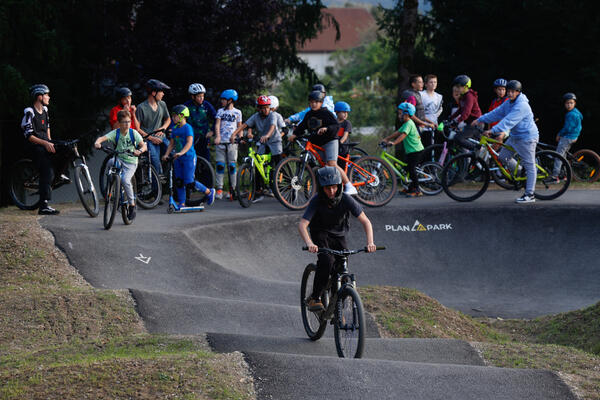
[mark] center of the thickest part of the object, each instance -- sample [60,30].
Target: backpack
[131,136]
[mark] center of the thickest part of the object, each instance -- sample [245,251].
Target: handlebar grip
[380,247]
[305,248]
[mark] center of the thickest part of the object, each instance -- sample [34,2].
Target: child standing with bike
[228,119]
[184,164]
[569,132]
[125,139]
[413,147]
[341,111]
[327,220]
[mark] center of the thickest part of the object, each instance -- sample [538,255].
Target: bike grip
[305,248]
[380,248]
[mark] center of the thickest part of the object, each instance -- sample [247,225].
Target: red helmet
[263,101]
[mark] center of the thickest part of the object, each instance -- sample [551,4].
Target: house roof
[352,21]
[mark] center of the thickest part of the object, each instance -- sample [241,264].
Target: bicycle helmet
[319,87]
[229,94]
[569,96]
[462,80]
[514,85]
[412,100]
[500,82]
[196,88]
[154,85]
[316,96]
[38,89]
[123,92]
[342,106]
[274,101]
[263,101]
[328,176]
[407,108]
[180,109]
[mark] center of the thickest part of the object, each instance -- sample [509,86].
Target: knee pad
[232,168]
[178,183]
[220,167]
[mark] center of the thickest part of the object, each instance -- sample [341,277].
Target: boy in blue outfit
[184,164]
[569,132]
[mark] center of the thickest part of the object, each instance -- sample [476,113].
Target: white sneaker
[526,198]
[219,194]
[258,198]
[349,189]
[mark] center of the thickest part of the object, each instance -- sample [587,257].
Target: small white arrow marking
[143,259]
[71,245]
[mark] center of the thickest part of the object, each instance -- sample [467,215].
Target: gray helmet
[154,85]
[316,95]
[514,85]
[328,176]
[462,80]
[196,88]
[569,96]
[38,89]
[123,92]
[319,87]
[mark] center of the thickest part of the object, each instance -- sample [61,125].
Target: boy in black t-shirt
[327,219]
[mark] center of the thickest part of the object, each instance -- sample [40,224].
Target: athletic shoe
[131,213]
[45,209]
[554,179]
[268,192]
[260,197]
[403,191]
[526,198]
[349,189]
[315,305]
[210,198]
[414,194]
[219,194]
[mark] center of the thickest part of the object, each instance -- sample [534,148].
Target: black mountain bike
[343,306]
[24,181]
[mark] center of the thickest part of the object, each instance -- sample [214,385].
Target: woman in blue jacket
[515,116]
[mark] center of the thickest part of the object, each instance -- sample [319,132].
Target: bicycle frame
[261,162]
[398,167]
[336,283]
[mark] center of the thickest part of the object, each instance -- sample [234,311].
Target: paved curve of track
[233,274]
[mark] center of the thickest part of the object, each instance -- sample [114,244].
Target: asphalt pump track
[234,276]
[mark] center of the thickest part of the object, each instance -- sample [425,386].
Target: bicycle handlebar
[113,151]
[343,252]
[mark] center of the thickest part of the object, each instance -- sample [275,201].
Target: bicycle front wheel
[349,324]
[313,324]
[24,186]
[294,183]
[205,173]
[245,185]
[103,176]
[586,166]
[113,191]
[429,178]
[465,177]
[375,181]
[86,190]
[546,186]
[148,189]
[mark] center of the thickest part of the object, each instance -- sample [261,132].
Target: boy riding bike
[468,111]
[569,132]
[327,219]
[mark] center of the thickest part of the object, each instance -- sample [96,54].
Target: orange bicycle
[294,183]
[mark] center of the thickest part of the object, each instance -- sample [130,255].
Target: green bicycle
[467,176]
[428,172]
[247,178]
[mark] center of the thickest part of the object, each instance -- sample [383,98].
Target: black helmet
[38,89]
[319,87]
[569,96]
[328,176]
[181,109]
[316,95]
[123,92]
[462,80]
[514,85]
[154,85]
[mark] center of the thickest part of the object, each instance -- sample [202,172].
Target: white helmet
[274,102]
[196,88]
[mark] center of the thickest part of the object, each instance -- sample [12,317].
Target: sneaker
[349,189]
[260,197]
[403,191]
[45,209]
[526,198]
[315,305]
[131,213]
[414,194]
[268,192]
[210,198]
[219,194]
[554,180]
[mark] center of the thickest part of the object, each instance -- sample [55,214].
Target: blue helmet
[500,82]
[407,108]
[229,94]
[342,106]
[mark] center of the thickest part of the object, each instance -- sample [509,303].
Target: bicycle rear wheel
[313,324]
[24,189]
[349,324]
[294,183]
[205,173]
[113,191]
[546,186]
[148,189]
[245,185]
[86,190]
[429,178]
[465,177]
[374,180]
[586,166]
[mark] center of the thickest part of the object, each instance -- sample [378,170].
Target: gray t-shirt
[151,120]
[262,126]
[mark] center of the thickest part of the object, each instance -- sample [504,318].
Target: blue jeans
[526,150]
[564,144]
[155,151]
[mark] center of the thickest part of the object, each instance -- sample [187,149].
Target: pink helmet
[412,100]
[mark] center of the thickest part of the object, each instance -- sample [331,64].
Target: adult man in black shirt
[36,128]
[327,219]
